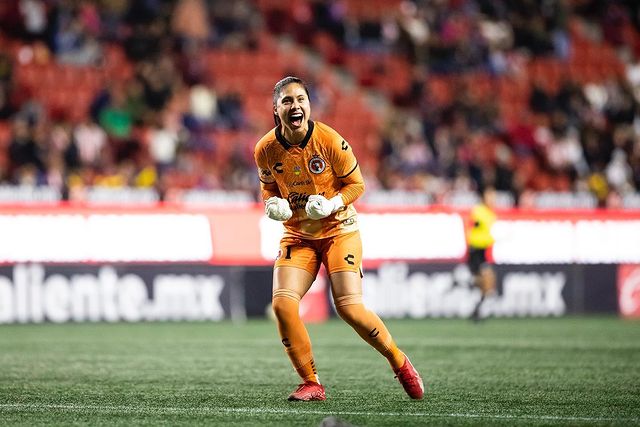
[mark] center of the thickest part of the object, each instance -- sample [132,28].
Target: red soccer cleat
[410,379]
[308,391]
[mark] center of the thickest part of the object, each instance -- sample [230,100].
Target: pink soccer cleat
[308,391]
[410,379]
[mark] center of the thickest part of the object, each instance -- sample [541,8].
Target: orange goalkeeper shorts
[338,253]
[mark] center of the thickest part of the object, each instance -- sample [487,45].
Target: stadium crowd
[485,92]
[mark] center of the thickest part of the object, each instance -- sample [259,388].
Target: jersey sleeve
[268,184]
[343,160]
[345,166]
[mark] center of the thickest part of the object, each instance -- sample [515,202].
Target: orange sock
[294,335]
[370,327]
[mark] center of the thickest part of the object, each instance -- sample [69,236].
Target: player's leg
[486,282]
[347,295]
[343,259]
[487,279]
[476,259]
[293,275]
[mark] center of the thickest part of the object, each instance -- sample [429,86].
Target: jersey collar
[302,144]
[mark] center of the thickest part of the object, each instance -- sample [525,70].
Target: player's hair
[278,88]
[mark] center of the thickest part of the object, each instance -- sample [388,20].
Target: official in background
[479,241]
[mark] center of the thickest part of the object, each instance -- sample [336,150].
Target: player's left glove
[278,209]
[319,207]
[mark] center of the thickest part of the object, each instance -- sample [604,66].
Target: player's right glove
[277,208]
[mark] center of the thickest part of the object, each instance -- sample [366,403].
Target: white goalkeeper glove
[319,207]
[277,209]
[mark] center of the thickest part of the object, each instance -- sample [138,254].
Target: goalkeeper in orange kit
[309,179]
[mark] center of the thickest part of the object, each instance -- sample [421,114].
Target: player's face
[293,107]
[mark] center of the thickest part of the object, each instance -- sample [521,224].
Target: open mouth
[296,119]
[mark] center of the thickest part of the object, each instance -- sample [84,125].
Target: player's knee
[347,313]
[285,303]
[348,307]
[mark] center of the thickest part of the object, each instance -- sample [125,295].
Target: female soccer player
[309,179]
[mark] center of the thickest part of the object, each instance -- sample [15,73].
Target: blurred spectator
[163,146]
[231,114]
[413,32]
[34,15]
[618,172]
[90,140]
[236,23]
[144,40]
[115,117]
[74,40]
[190,22]
[158,78]
[28,151]
[203,106]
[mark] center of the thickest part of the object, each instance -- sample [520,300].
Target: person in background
[479,240]
[309,178]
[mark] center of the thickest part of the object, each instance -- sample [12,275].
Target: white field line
[127,409]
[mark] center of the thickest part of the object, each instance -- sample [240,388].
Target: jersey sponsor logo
[317,164]
[297,200]
[299,183]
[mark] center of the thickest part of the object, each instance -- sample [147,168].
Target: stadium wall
[62,263]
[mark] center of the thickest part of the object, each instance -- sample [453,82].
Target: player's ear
[276,119]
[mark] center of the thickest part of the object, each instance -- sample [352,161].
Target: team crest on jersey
[317,164]
[297,169]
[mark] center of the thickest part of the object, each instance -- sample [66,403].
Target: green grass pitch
[567,371]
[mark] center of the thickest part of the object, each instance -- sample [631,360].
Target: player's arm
[268,185]
[352,185]
[275,206]
[269,189]
[347,171]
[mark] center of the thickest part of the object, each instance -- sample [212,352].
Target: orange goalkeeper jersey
[323,163]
